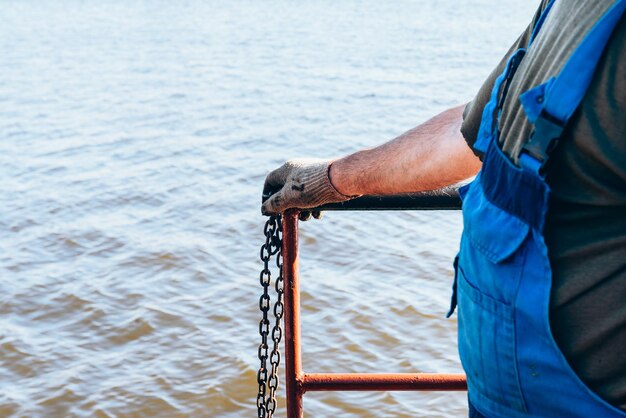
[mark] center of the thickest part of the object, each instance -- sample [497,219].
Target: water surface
[134,139]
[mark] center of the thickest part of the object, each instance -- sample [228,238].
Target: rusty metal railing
[297,382]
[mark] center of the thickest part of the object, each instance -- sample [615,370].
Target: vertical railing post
[293,355]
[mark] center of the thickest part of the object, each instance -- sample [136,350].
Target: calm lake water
[134,140]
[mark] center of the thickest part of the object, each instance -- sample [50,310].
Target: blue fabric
[532,97]
[540,22]
[489,121]
[531,209]
[514,367]
[474,413]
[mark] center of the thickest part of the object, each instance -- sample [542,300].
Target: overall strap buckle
[543,139]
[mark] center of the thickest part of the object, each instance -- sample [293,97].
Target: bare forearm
[428,157]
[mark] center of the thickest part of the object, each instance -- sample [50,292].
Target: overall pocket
[487,346]
[492,251]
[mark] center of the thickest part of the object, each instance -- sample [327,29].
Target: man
[541,274]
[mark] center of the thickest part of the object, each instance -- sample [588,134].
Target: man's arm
[428,157]
[431,156]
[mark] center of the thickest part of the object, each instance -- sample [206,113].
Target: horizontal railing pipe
[383,381]
[438,200]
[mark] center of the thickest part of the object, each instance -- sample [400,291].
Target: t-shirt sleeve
[474,110]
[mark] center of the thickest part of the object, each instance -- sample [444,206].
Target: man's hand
[302,184]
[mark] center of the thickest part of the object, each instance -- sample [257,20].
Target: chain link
[268,381]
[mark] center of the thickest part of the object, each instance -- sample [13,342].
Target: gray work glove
[302,184]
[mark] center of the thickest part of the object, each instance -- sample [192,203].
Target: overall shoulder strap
[550,105]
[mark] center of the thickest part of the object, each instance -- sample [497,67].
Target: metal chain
[268,382]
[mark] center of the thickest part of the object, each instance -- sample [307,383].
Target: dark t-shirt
[586,223]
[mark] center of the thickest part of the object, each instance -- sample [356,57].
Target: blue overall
[503,277]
